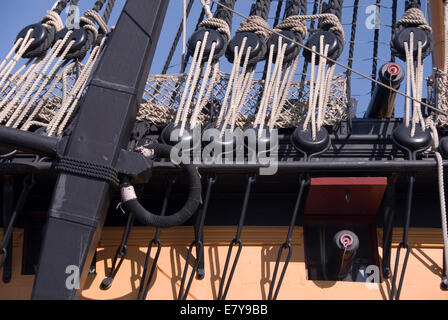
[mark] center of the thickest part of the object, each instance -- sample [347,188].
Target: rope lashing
[211,70]
[218,31]
[257,25]
[320,84]
[414,85]
[413,17]
[69,104]
[247,47]
[27,97]
[330,23]
[347,68]
[33,84]
[214,23]
[276,89]
[278,84]
[191,83]
[52,23]
[87,22]
[239,85]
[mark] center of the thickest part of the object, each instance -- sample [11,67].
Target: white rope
[79,87]
[441,184]
[98,19]
[205,78]
[240,86]
[187,82]
[48,61]
[414,85]
[239,98]
[27,104]
[443,208]
[276,114]
[272,85]
[194,83]
[25,44]
[53,19]
[297,24]
[257,25]
[319,89]
[233,74]
[44,98]
[207,9]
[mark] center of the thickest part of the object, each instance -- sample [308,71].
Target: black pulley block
[419,142]
[292,48]
[443,147]
[213,37]
[39,34]
[262,144]
[170,136]
[78,35]
[303,140]
[229,142]
[404,36]
[314,40]
[258,47]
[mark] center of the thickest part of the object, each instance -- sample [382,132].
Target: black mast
[103,127]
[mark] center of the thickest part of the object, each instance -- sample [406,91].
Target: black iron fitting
[214,36]
[292,49]
[135,165]
[413,145]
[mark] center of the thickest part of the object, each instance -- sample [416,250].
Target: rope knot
[218,24]
[294,23]
[53,19]
[332,22]
[98,19]
[414,17]
[257,25]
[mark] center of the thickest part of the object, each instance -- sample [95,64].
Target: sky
[16,14]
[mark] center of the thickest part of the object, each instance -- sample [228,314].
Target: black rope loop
[189,208]
[88,169]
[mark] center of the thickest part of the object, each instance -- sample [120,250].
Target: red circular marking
[393,69]
[346,240]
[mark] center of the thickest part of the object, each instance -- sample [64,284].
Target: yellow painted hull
[254,271]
